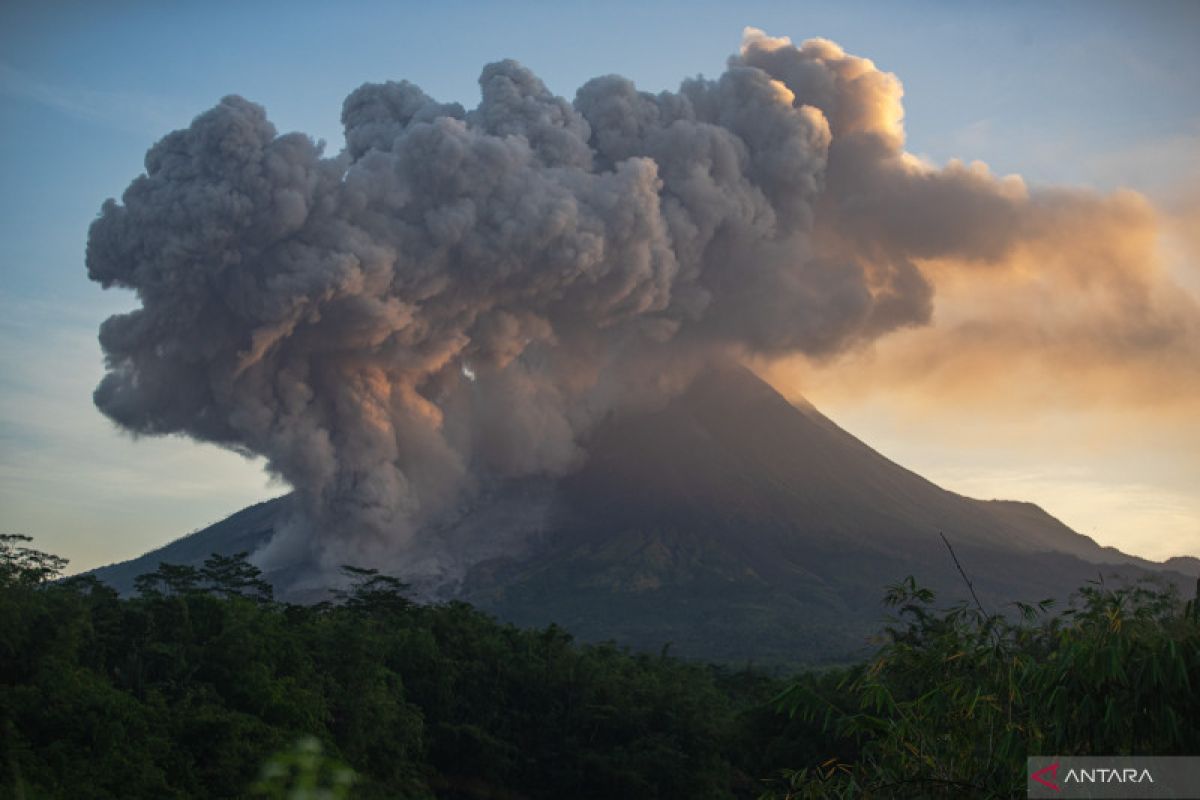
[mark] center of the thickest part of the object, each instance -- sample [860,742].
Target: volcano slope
[734,526]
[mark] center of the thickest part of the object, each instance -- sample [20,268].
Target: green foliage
[234,576]
[188,689]
[371,592]
[228,576]
[304,772]
[202,686]
[24,566]
[955,700]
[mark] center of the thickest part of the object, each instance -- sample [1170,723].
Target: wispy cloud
[132,112]
[1158,165]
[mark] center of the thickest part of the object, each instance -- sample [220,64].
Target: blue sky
[1095,94]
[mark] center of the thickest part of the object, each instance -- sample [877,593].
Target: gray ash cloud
[458,296]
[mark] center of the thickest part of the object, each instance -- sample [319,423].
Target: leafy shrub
[955,700]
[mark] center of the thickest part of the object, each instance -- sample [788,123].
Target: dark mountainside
[738,527]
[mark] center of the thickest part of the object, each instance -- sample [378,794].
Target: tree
[24,566]
[175,579]
[372,592]
[235,576]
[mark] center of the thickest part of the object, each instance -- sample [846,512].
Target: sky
[1089,95]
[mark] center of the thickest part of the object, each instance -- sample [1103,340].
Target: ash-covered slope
[733,448]
[736,526]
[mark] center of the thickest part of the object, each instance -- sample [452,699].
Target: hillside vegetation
[203,686]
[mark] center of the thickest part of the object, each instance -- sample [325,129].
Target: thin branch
[964,574]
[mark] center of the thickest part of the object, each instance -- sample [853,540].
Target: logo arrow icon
[1041,777]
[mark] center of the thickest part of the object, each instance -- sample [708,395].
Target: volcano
[730,525]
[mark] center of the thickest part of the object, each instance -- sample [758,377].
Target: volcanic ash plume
[458,296]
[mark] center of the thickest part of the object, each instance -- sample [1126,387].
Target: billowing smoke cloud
[458,296]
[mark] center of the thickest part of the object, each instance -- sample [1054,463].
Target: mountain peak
[731,522]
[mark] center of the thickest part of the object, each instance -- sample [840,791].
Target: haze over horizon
[1062,369]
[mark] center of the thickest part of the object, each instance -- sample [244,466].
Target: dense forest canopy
[203,686]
